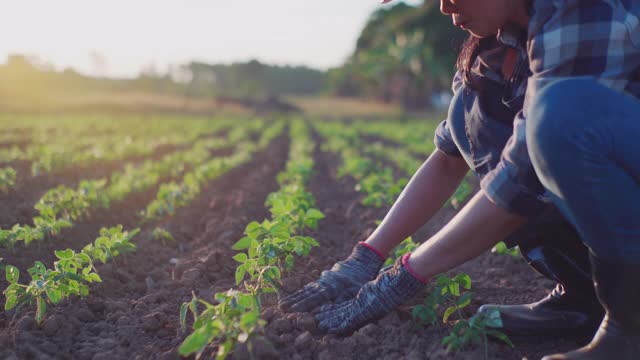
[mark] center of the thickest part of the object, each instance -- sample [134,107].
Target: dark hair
[471,48]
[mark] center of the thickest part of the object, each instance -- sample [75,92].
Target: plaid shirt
[566,38]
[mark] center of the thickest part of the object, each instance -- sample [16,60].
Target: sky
[118,38]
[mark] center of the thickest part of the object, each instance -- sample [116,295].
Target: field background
[122,198]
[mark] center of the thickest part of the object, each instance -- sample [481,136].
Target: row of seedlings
[70,275]
[60,207]
[173,195]
[374,180]
[53,153]
[268,249]
[74,271]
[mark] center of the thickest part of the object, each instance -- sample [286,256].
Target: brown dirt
[133,314]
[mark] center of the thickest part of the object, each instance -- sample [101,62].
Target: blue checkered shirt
[566,39]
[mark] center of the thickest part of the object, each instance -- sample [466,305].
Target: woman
[574,142]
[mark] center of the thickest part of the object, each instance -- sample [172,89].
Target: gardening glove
[376,298]
[339,284]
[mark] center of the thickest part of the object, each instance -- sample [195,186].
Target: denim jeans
[584,141]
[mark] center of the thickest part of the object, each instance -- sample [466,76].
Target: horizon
[80,34]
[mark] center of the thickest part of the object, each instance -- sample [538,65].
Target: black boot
[571,308]
[618,288]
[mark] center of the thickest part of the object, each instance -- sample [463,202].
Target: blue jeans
[584,142]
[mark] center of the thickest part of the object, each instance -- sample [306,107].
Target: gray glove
[339,284]
[376,298]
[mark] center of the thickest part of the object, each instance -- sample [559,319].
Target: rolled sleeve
[513,184]
[444,141]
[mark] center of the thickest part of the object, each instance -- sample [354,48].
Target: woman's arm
[430,187]
[476,228]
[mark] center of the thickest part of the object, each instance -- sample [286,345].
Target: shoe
[572,307]
[618,287]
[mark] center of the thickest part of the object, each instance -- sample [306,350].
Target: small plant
[405,247]
[502,249]
[450,293]
[234,319]
[160,234]
[447,293]
[7,179]
[71,274]
[112,242]
[476,331]
[270,246]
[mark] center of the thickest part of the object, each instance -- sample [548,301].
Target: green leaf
[450,310]
[194,342]
[280,230]
[288,261]
[64,254]
[12,274]
[273,273]
[54,295]
[224,349]
[464,300]
[242,244]
[253,229]
[249,319]
[183,316]
[240,272]
[463,280]
[314,214]
[12,301]
[241,258]
[94,277]
[454,289]
[246,301]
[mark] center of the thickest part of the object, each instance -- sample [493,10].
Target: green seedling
[447,293]
[270,246]
[235,318]
[7,179]
[476,331]
[405,247]
[111,243]
[71,274]
[454,295]
[160,234]
[502,249]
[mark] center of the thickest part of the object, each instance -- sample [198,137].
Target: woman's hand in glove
[340,283]
[376,298]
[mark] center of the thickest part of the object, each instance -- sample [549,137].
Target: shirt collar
[512,36]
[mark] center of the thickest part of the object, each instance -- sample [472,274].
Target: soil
[133,313]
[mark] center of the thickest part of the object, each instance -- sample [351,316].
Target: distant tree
[403,55]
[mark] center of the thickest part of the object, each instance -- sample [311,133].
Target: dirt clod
[51,325]
[303,340]
[280,325]
[153,321]
[306,322]
[26,323]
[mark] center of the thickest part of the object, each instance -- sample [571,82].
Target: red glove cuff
[405,263]
[378,252]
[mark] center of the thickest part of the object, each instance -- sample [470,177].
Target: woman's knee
[554,115]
